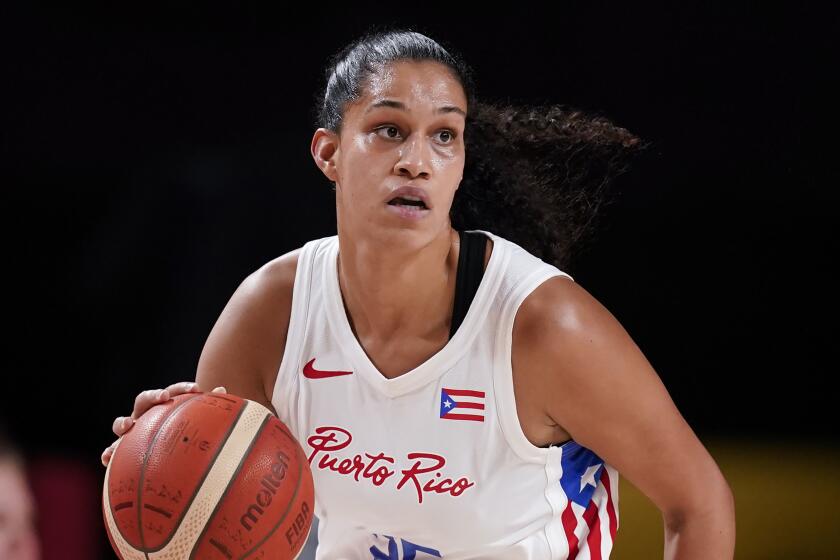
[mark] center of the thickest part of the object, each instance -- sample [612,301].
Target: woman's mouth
[408,201]
[408,207]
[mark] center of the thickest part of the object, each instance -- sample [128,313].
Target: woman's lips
[408,212]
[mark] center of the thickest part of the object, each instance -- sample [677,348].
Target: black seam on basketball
[230,481]
[161,511]
[285,513]
[140,482]
[221,548]
[206,473]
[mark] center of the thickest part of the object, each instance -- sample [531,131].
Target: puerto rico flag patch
[462,404]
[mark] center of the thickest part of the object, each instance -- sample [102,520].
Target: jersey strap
[468,277]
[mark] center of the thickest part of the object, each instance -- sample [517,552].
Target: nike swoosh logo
[312,373]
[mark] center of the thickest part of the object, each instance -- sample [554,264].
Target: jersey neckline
[443,359]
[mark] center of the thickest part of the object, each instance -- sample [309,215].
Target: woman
[484,400]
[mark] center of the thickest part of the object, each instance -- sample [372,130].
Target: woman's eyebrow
[401,106]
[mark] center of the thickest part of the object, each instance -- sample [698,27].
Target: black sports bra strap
[469,275]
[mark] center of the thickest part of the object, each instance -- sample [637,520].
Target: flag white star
[588,477]
[447,404]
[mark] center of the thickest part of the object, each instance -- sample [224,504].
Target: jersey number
[409,550]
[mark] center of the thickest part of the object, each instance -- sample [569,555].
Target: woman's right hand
[145,401]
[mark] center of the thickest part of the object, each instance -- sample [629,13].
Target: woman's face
[406,130]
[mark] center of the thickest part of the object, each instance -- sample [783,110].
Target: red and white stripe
[591,532]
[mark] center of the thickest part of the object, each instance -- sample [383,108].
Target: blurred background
[150,164]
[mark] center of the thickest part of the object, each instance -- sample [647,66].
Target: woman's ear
[324,148]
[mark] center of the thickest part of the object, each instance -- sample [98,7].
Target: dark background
[149,167]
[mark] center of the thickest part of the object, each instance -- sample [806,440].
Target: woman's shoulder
[246,344]
[270,287]
[273,280]
[555,303]
[560,321]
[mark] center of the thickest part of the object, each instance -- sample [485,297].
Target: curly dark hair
[534,175]
[538,175]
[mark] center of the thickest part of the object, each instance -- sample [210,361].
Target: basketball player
[457,396]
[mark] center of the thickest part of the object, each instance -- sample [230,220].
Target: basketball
[207,476]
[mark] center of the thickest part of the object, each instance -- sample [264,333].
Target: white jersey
[434,463]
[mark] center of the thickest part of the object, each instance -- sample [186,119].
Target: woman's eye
[391,132]
[446,136]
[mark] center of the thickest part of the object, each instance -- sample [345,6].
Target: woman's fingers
[108,453]
[142,403]
[182,387]
[146,400]
[122,424]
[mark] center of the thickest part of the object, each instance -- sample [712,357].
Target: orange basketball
[208,476]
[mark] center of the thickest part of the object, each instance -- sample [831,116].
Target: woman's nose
[414,159]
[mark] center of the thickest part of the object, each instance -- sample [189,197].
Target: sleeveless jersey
[434,463]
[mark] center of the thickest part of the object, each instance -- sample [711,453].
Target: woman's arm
[600,388]
[245,347]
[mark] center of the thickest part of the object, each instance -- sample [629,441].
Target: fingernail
[219,390]
[127,422]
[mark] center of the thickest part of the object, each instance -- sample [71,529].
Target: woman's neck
[390,293]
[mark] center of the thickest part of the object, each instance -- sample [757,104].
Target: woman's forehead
[413,83]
